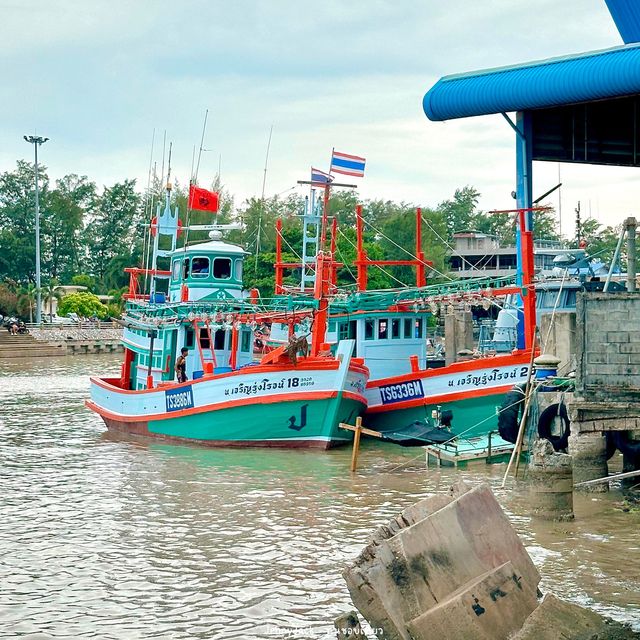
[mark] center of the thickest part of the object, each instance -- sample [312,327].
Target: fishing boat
[390,330]
[292,397]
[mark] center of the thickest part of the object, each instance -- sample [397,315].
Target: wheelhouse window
[395,329]
[418,328]
[239,270]
[200,267]
[222,268]
[408,328]
[185,269]
[219,339]
[205,342]
[188,338]
[368,329]
[245,341]
[175,270]
[383,329]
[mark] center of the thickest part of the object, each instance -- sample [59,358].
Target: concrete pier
[458,334]
[550,478]
[588,451]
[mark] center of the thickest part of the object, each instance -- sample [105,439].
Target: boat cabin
[207,271]
[386,339]
[204,312]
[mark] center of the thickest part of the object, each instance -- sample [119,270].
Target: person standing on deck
[181,365]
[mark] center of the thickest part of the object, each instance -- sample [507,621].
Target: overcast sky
[97,76]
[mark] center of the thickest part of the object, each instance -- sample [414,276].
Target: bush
[8,301]
[84,304]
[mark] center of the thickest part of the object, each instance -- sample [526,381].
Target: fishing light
[486,304]
[191,316]
[467,307]
[450,310]
[205,316]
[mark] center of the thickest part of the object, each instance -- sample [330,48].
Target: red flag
[203,200]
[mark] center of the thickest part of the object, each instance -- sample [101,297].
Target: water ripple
[103,538]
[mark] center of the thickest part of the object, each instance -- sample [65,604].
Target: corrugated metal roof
[626,15]
[596,75]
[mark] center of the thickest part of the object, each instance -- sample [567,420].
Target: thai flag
[320,177]
[347,164]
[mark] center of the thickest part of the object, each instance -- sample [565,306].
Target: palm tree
[29,294]
[52,291]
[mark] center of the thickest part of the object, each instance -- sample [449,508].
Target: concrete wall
[558,334]
[608,341]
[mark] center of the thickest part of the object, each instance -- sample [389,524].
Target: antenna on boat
[204,129]
[194,176]
[148,210]
[264,182]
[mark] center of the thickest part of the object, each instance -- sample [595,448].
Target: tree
[84,304]
[601,242]
[8,299]
[84,280]
[113,232]
[62,223]
[460,212]
[28,299]
[51,291]
[17,220]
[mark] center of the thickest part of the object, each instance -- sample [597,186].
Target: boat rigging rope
[390,275]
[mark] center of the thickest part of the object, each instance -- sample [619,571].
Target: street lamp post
[36,141]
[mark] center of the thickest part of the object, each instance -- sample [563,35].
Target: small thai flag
[320,177]
[347,164]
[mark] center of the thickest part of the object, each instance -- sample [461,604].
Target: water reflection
[117,539]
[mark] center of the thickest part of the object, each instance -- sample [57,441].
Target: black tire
[510,413]
[546,420]
[628,447]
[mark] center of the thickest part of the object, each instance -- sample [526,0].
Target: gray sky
[98,76]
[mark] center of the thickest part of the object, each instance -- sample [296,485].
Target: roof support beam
[524,167]
[512,125]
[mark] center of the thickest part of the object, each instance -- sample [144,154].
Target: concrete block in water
[555,619]
[490,607]
[398,579]
[376,579]
[550,477]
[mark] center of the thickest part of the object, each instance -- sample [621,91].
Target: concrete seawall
[51,342]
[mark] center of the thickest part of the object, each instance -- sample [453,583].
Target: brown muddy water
[104,538]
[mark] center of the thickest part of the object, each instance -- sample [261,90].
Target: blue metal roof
[596,75]
[626,15]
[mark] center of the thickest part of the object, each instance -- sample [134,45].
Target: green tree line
[90,234]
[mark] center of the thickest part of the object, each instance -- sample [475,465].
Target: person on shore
[181,365]
[14,328]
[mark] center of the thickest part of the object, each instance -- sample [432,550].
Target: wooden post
[356,444]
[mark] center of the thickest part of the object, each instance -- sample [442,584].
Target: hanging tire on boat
[547,421]
[626,445]
[510,414]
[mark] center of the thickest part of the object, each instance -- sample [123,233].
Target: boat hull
[252,425]
[267,406]
[471,390]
